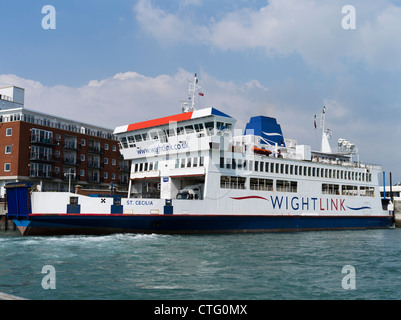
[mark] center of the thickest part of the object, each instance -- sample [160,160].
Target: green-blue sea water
[299,265]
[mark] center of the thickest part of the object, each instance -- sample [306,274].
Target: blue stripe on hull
[88,224]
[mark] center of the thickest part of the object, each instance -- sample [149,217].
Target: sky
[110,63]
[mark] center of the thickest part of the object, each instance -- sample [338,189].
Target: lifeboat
[261,151]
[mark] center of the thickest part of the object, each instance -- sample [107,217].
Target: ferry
[193,172]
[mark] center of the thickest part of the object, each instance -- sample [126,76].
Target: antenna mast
[189,105]
[326,133]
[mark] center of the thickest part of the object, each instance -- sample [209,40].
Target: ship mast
[326,133]
[189,104]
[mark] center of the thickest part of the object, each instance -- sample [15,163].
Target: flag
[201,94]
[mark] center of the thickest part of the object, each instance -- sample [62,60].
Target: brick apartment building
[55,153]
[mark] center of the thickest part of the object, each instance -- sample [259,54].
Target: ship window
[209,126]
[228,182]
[256,165]
[141,167]
[177,163]
[220,126]
[138,137]
[171,132]
[180,130]
[182,163]
[153,135]
[239,163]
[124,142]
[296,170]
[228,163]
[136,167]
[201,161]
[349,190]
[367,191]
[151,166]
[330,189]
[198,127]
[222,162]
[163,136]
[277,168]
[234,164]
[225,182]
[261,184]
[131,141]
[144,136]
[286,186]
[272,167]
[266,167]
[189,129]
[286,169]
[146,167]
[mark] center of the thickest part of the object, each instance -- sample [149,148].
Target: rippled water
[303,265]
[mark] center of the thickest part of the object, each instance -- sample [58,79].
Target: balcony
[71,161]
[71,145]
[95,179]
[123,181]
[94,164]
[38,139]
[95,149]
[124,168]
[42,174]
[69,177]
[42,157]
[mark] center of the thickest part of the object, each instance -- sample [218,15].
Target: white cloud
[309,28]
[131,97]
[168,28]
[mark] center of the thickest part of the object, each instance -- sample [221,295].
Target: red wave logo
[249,197]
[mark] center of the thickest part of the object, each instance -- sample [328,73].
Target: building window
[106,146]
[106,161]
[83,142]
[82,157]
[82,173]
[113,176]
[105,175]
[7,167]
[113,162]
[8,149]
[114,148]
[9,132]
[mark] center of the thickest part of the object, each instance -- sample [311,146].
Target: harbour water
[284,266]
